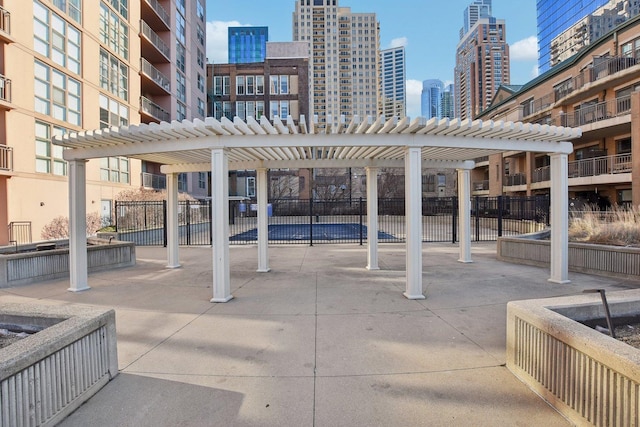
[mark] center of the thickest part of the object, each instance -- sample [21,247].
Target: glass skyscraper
[554,17]
[247,44]
[431,99]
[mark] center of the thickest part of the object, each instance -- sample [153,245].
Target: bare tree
[391,183]
[58,227]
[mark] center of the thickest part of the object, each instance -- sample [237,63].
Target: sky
[430,33]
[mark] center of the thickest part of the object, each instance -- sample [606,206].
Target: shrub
[58,228]
[616,226]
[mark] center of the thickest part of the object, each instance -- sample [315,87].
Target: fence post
[477,208]
[454,220]
[164,223]
[116,215]
[500,208]
[311,222]
[210,222]
[188,222]
[361,226]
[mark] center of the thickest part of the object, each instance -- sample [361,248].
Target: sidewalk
[318,341]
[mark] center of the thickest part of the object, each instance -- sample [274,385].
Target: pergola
[222,145]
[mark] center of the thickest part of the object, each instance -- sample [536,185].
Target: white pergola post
[464,214]
[413,218]
[173,260]
[559,219]
[263,221]
[78,266]
[220,213]
[372,218]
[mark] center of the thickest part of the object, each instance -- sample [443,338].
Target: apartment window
[200,10]
[112,113]
[114,32]
[71,8]
[182,182]
[217,85]
[251,109]
[226,110]
[181,54]
[259,109]
[201,108]
[114,169]
[200,34]
[623,146]
[259,85]
[241,110]
[251,85]
[278,108]
[284,84]
[226,85]
[121,6]
[48,156]
[114,75]
[200,82]
[56,94]
[273,85]
[273,109]
[202,180]
[240,85]
[429,183]
[200,58]
[180,5]
[55,39]
[181,87]
[251,186]
[181,111]
[181,32]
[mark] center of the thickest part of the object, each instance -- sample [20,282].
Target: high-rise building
[68,66]
[482,65]
[344,50]
[554,17]
[431,99]
[590,28]
[476,10]
[247,44]
[447,102]
[393,81]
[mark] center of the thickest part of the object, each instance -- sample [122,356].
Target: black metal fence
[341,221]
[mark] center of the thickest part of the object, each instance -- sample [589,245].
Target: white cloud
[399,42]
[414,92]
[217,40]
[525,49]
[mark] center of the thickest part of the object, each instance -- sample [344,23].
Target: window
[202,180]
[429,183]
[240,85]
[180,5]
[217,85]
[200,10]
[200,82]
[181,55]
[259,85]
[112,113]
[201,108]
[114,32]
[226,110]
[55,39]
[251,186]
[114,75]
[181,87]
[623,146]
[181,32]
[273,85]
[48,156]
[259,109]
[284,85]
[57,95]
[114,169]
[226,85]
[200,35]
[241,110]
[200,59]
[251,85]
[181,111]
[121,6]
[71,8]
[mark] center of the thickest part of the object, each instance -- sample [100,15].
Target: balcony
[586,168]
[153,181]
[155,15]
[596,112]
[480,186]
[5,93]
[515,179]
[153,111]
[6,158]
[5,26]
[156,82]
[153,47]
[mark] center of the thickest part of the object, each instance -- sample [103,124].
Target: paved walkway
[318,341]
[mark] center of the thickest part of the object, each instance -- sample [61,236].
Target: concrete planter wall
[46,376]
[588,376]
[583,257]
[30,267]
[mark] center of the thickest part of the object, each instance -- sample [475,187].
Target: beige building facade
[76,65]
[597,90]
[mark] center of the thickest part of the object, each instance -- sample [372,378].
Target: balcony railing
[154,110]
[5,89]
[481,185]
[515,179]
[537,105]
[155,39]
[5,21]
[6,158]
[605,165]
[162,13]
[150,180]
[154,74]
[597,112]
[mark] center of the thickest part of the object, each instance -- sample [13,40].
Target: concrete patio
[318,341]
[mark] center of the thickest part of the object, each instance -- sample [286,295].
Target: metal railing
[537,105]
[20,232]
[480,185]
[150,180]
[5,89]
[515,179]
[154,74]
[541,174]
[155,39]
[595,166]
[596,112]
[6,158]
[5,21]
[162,13]
[154,110]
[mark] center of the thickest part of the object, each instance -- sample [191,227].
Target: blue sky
[429,33]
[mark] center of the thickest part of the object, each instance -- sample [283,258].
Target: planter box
[46,376]
[29,267]
[588,258]
[589,377]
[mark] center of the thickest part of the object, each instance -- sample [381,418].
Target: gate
[337,221]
